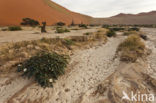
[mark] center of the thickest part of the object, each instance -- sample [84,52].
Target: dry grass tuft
[23,50]
[14,53]
[132,48]
[127,33]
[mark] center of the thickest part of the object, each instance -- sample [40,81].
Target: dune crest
[13,11]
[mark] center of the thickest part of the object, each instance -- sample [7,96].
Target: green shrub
[4,29]
[66,30]
[131,48]
[61,30]
[143,36]
[60,24]
[105,26]
[111,33]
[29,22]
[133,29]
[68,42]
[117,29]
[83,26]
[14,28]
[88,33]
[93,25]
[45,68]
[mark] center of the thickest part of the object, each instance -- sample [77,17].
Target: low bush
[131,48]
[111,33]
[117,29]
[60,24]
[143,36]
[83,26]
[62,30]
[75,29]
[45,68]
[88,33]
[68,42]
[66,30]
[4,29]
[93,25]
[100,36]
[105,26]
[29,22]
[14,28]
[134,29]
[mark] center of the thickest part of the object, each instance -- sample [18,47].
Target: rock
[67,90]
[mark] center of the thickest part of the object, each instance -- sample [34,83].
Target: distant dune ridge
[13,11]
[141,18]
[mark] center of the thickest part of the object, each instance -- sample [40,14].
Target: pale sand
[34,34]
[151,44]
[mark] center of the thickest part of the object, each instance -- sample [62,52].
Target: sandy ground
[34,34]
[88,68]
[151,44]
[139,76]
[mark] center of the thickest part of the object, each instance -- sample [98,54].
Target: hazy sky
[106,8]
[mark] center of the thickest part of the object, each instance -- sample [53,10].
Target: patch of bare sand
[151,44]
[139,78]
[34,34]
[127,78]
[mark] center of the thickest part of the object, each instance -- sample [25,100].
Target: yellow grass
[20,51]
[132,48]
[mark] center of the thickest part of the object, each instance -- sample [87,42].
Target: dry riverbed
[88,68]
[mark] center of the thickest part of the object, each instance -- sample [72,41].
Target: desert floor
[34,34]
[89,68]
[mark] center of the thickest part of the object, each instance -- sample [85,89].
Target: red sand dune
[12,12]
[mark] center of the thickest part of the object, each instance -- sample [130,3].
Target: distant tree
[43,28]
[60,23]
[83,25]
[72,24]
[29,22]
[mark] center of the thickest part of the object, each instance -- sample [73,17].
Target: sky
[107,8]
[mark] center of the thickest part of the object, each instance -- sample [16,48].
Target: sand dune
[12,12]
[141,18]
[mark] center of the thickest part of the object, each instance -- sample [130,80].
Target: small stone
[57,99]
[50,80]
[67,90]
[25,69]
